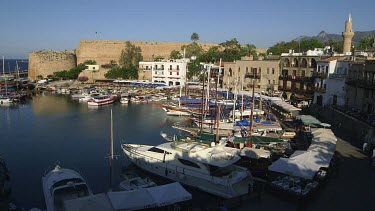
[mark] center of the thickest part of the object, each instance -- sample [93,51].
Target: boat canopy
[308,120]
[99,202]
[306,164]
[149,197]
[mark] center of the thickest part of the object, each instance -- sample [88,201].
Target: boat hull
[214,186]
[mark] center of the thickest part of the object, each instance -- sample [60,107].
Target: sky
[29,25]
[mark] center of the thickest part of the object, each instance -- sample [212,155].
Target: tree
[248,50]
[131,55]
[232,50]
[212,55]
[39,77]
[158,58]
[194,37]
[310,44]
[130,72]
[194,69]
[193,49]
[175,55]
[75,71]
[336,46]
[283,47]
[366,42]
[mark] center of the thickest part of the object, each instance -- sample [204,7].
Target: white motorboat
[101,100]
[6,101]
[61,185]
[210,169]
[170,112]
[124,100]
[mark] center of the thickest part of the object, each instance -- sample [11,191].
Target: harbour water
[52,129]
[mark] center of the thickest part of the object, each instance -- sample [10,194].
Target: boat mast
[5,81]
[203,110]
[252,113]
[111,154]
[242,96]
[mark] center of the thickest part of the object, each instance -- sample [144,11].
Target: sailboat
[5,99]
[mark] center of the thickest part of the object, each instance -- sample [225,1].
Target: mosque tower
[348,35]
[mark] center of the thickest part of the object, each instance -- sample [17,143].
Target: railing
[337,76]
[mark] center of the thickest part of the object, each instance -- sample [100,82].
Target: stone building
[361,86]
[265,73]
[297,73]
[43,63]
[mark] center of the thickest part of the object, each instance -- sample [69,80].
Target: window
[156,67]
[93,68]
[178,73]
[157,150]
[273,81]
[268,70]
[273,70]
[247,69]
[170,67]
[239,69]
[178,67]
[188,163]
[155,73]
[170,73]
[269,81]
[230,72]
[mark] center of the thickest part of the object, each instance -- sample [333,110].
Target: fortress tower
[348,35]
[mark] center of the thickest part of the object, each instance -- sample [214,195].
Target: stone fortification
[103,51]
[46,62]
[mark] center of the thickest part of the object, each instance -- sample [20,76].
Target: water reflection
[54,128]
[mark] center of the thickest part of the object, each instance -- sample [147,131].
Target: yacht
[6,101]
[62,184]
[210,169]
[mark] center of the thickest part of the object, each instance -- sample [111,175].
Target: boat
[171,112]
[62,184]
[5,99]
[134,182]
[101,100]
[210,169]
[124,99]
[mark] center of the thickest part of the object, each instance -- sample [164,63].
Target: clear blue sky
[28,25]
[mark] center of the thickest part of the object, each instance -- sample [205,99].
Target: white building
[171,72]
[92,67]
[330,88]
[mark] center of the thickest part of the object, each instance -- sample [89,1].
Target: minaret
[348,35]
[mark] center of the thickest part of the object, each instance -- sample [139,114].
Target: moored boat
[209,169]
[62,184]
[101,100]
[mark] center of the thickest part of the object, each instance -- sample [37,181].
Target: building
[297,73]
[215,70]
[330,76]
[171,72]
[264,72]
[361,86]
[348,35]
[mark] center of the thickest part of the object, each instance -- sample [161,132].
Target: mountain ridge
[324,36]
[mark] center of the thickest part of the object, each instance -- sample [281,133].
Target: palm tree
[194,37]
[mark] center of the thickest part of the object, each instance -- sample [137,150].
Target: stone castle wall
[46,62]
[103,51]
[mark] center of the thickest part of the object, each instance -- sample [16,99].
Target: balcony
[320,75]
[296,78]
[251,75]
[361,83]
